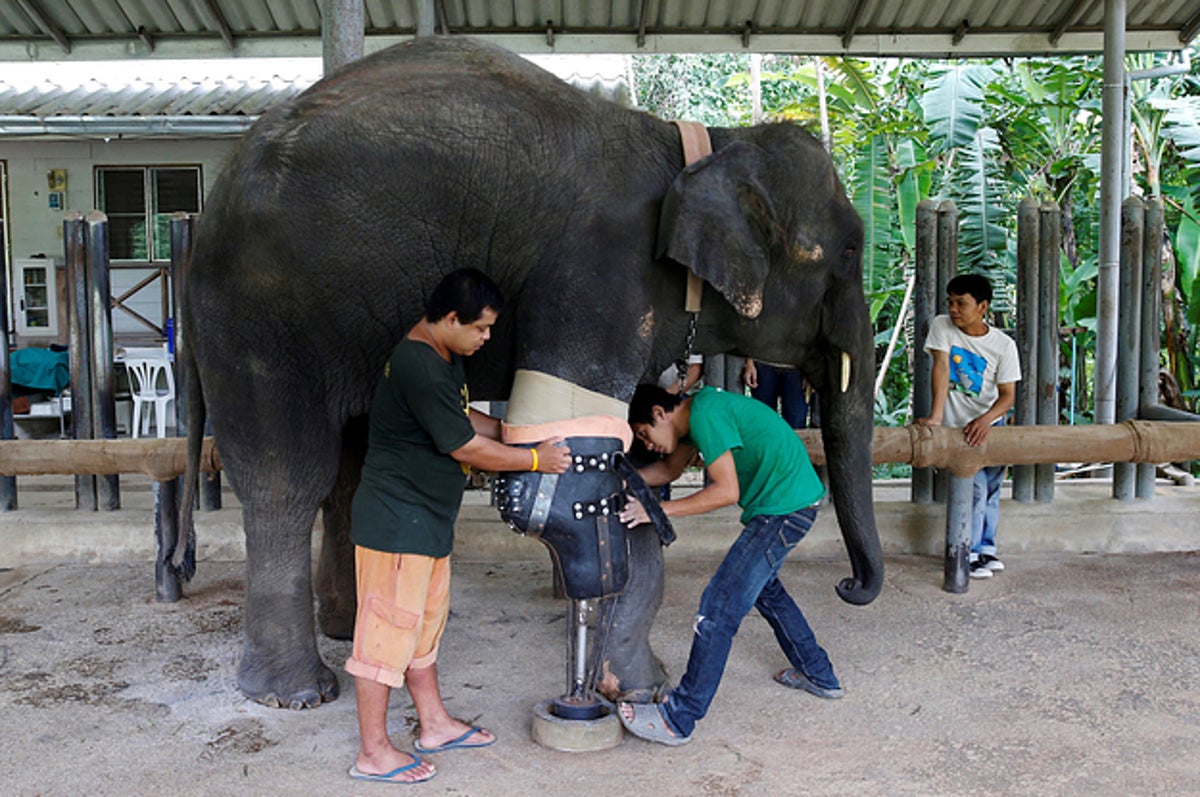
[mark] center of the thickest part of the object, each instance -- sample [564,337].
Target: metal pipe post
[958,533]
[80,358]
[1152,245]
[1049,236]
[924,309]
[1129,324]
[1028,229]
[8,484]
[343,32]
[104,408]
[1111,149]
[426,19]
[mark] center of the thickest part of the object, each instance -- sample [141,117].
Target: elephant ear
[716,220]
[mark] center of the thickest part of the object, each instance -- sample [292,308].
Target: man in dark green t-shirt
[423,436]
[754,459]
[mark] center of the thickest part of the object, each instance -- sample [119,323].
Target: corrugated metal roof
[176,97]
[74,104]
[90,29]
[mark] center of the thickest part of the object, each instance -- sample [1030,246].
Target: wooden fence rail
[920,446]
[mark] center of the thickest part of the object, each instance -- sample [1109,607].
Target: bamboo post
[75,249]
[104,412]
[1129,325]
[1152,239]
[924,309]
[1049,236]
[8,484]
[1025,414]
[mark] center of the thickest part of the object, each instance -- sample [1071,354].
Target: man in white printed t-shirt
[975,375]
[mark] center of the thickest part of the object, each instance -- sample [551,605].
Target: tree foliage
[985,134]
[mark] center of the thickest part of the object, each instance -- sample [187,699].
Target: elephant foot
[644,690]
[281,686]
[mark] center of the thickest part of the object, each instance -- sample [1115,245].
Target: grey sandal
[649,723]
[794,679]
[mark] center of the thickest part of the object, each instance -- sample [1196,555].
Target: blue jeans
[746,578]
[782,388]
[985,509]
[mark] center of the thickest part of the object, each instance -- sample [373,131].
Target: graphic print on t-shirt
[966,370]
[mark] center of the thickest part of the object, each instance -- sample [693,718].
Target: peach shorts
[403,602]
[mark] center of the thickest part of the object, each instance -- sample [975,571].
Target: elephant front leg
[630,670]
[280,665]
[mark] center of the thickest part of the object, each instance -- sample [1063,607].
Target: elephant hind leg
[335,585]
[280,664]
[630,670]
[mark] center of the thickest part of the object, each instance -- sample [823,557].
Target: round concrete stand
[575,736]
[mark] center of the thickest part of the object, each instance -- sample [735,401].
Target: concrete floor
[1070,673]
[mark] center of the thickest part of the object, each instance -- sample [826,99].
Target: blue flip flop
[649,723]
[459,743]
[390,777]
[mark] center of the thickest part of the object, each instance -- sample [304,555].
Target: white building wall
[34,228]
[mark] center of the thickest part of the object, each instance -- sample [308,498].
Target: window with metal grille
[139,201]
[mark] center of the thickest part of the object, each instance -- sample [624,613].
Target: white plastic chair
[151,384]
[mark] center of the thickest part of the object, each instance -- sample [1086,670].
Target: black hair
[976,286]
[466,292]
[646,398]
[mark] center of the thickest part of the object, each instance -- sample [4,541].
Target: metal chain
[681,365]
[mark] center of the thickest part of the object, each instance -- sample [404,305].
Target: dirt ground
[1064,675]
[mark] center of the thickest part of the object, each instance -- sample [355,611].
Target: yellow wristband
[535,459]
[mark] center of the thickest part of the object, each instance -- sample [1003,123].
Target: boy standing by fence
[974,380]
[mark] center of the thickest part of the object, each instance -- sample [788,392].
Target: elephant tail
[183,558]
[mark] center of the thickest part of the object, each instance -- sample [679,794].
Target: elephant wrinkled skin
[342,208]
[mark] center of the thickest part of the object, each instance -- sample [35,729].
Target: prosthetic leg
[575,515]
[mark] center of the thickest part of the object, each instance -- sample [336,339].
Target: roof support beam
[860,8]
[218,20]
[1069,18]
[643,18]
[961,32]
[35,13]
[146,38]
[1190,28]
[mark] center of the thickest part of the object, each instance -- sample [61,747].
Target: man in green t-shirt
[423,435]
[754,459]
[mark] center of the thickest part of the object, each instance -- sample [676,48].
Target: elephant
[341,209]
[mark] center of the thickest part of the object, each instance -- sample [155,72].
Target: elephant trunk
[847,419]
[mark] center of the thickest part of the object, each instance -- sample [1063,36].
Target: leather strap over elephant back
[696,146]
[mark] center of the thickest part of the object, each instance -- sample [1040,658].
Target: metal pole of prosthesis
[579,703]
[579,721]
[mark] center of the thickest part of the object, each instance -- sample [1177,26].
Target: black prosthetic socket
[575,515]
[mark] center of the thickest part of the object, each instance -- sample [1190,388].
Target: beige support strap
[542,406]
[696,145]
[538,397]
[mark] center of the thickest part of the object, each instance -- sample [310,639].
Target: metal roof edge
[975,44]
[123,126]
